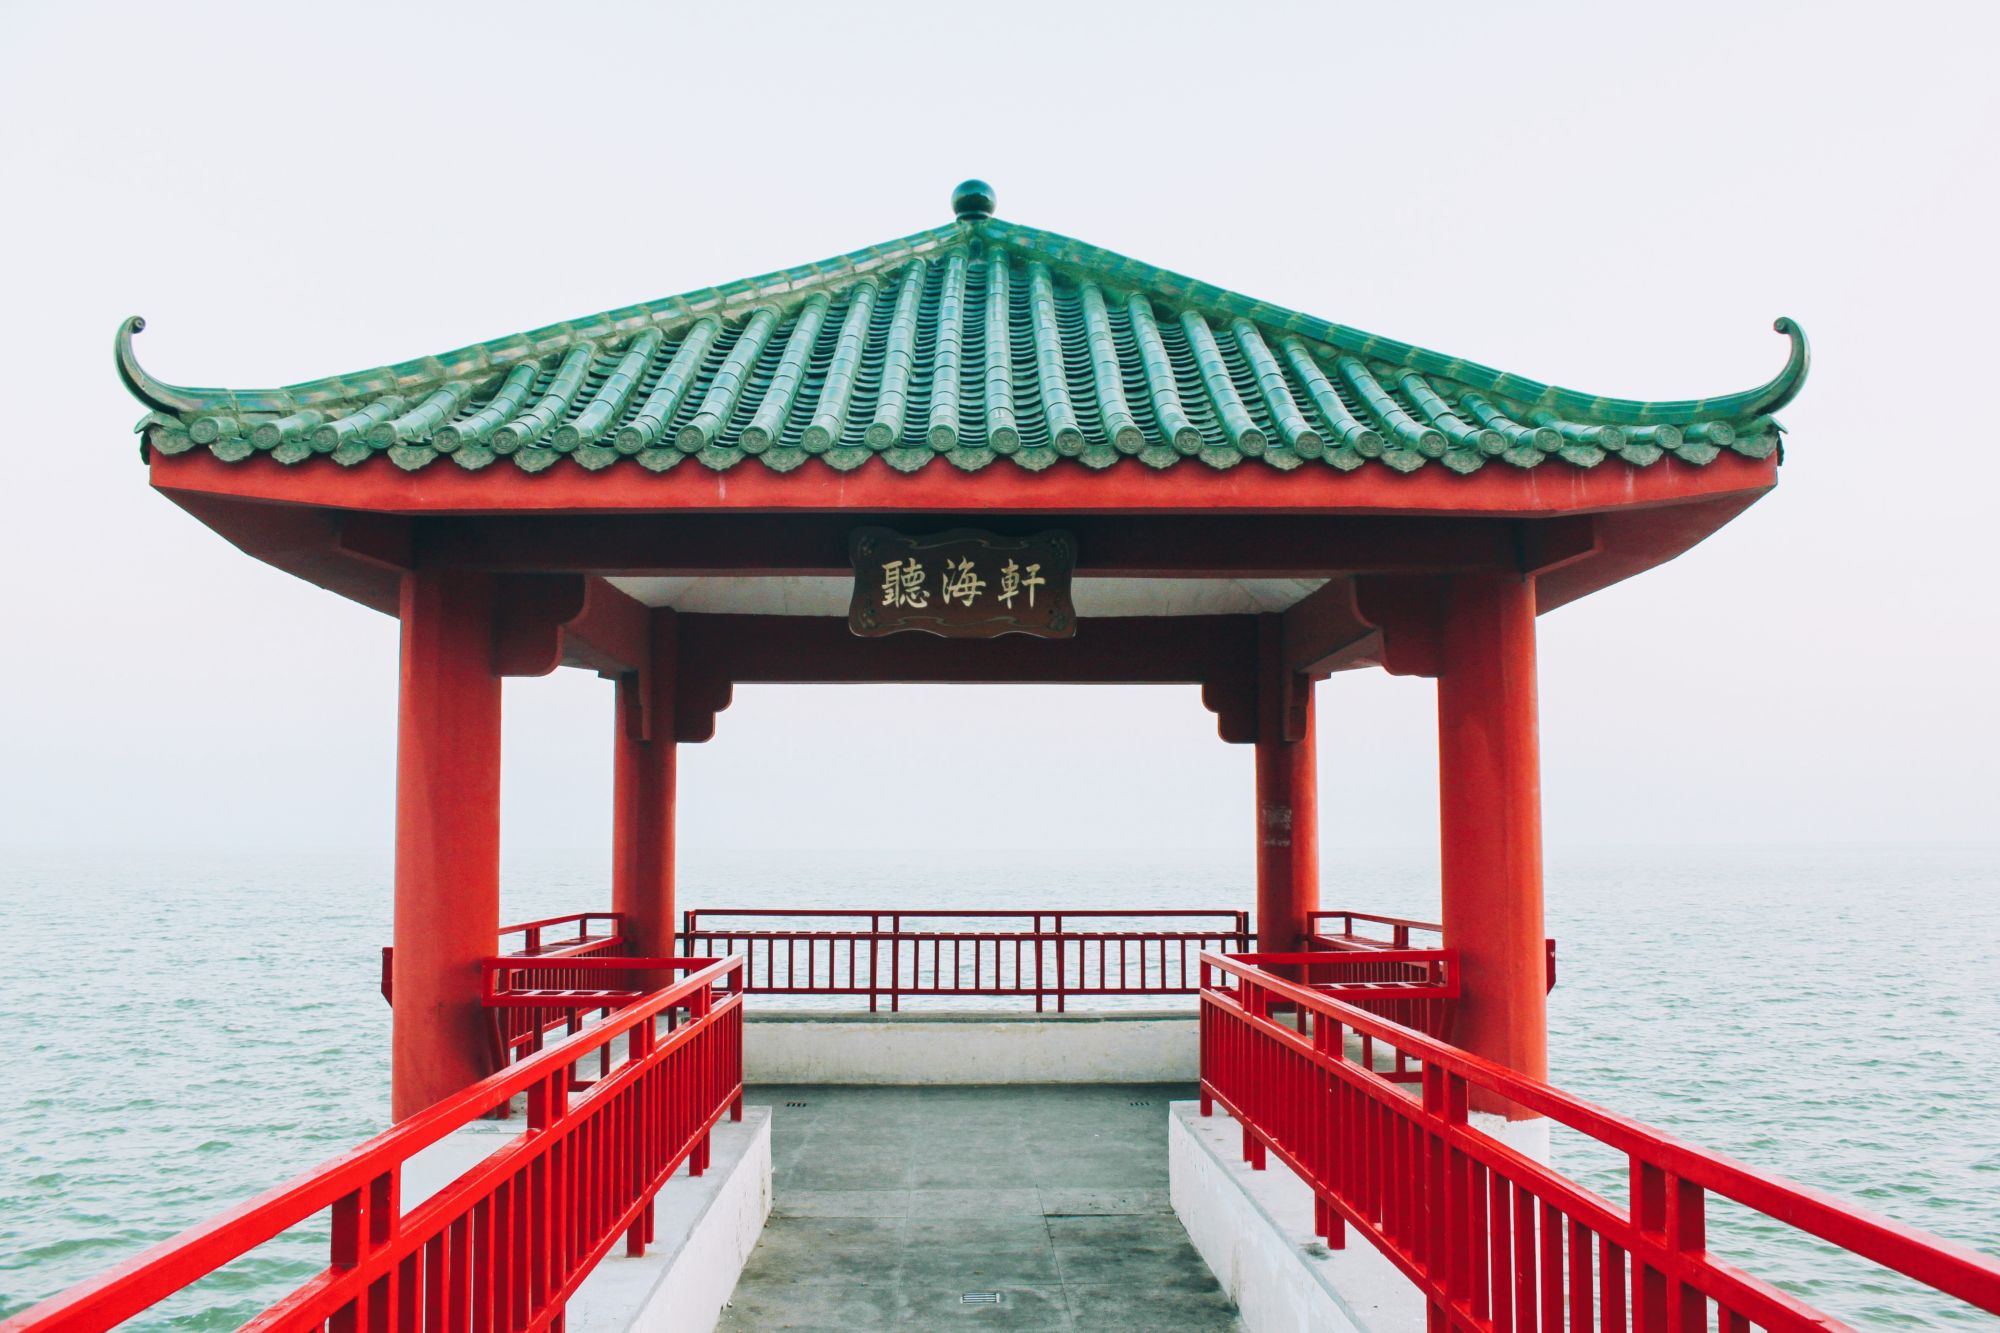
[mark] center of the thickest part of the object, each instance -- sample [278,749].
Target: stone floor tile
[1148,1251]
[841,1203]
[996,1249]
[837,1171]
[1121,1308]
[833,1307]
[1043,1309]
[844,1250]
[1058,1201]
[1025,1201]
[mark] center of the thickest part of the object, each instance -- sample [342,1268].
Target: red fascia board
[1126,487]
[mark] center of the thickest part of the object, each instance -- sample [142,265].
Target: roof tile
[977,342]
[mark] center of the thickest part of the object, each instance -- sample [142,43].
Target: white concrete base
[704,1228]
[1255,1231]
[937,1048]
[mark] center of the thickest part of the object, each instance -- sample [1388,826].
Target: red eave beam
[1193,545]
[718,652]
[1128,487]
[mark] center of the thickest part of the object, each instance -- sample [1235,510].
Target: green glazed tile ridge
[899,362]
[540,416]
[1050,375]
[650,424]
[1433,408]
[1350,430]
[1003,434]
[422,419]
[829,422]
[1408,433]
[611,396]
[1119,423]
[1299,436]
[1180,431]
[271,434]
[507,401]
[768,424]
[727,387]
[1516,435]
[948,358]
[1242,431]
[330,436]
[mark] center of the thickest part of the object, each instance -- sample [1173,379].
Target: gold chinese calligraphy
[962,584]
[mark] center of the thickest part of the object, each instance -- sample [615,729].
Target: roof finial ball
[972,200]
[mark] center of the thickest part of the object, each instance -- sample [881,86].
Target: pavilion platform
[891,1205]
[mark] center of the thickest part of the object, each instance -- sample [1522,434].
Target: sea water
[188,1029]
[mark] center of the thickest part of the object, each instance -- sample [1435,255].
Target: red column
[642,826]
[1489,782]
[1287,836]
[447,836]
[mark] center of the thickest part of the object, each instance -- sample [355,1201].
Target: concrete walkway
[891,1205]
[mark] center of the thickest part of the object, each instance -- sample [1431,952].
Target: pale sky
[1614,202]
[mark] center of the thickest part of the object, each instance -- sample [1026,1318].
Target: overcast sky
[1613,202]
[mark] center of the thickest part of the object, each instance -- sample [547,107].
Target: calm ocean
[193,1028]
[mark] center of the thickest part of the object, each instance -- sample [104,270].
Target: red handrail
[1047,962]
[582,944]
[691,918]
[1402,925]
[1418,988]
[583,941]
[1399,937]
[1487,1234]
[1431,972]
[583,1173]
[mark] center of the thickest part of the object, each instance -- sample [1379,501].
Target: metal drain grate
[1139,1103]
[980,1298]
[795,1103]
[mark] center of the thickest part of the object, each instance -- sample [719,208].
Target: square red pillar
[1490,789]
[642,826]
[447,836]
[1287,834]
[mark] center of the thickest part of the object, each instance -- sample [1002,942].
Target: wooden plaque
[962,584]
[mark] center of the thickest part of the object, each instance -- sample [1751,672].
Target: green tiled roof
[974,342]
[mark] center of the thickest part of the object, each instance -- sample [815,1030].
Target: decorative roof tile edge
[491,358]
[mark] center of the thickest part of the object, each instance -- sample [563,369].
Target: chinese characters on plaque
[962,584]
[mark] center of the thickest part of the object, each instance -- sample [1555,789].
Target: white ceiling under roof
[1093,597]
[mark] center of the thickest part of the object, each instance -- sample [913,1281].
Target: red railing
[1416,988]
[1493,1239]
[532,996]
[515,1032]
[880,954]
[1320,935]
[1319,928]
[507,1244]
[535,939]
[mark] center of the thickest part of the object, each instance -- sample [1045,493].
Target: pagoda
[665,494]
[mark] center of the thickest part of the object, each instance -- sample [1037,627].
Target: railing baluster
[1549,1246]
[1525,1305]
[1611,1282]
